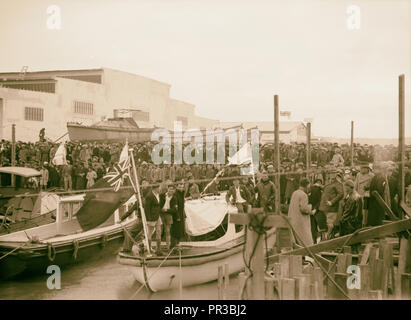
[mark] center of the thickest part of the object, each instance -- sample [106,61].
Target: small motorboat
[214,242]
[62,242]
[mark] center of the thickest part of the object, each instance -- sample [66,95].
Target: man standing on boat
[168,204]
[152,210]
[239,196]
[178,226]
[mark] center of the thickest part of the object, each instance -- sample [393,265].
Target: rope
[50,247]
[158,268]
[313,256]
[104,240]
[76,247]
[15,249]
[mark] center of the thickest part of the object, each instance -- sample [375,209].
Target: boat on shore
[195,262]
[62,243]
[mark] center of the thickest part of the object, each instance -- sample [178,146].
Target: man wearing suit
[168,205]
[152,210]
[240,196]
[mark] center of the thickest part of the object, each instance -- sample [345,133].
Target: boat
[62,242]
[214,242]
[110,130]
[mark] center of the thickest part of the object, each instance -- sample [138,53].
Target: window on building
[33,114]
[184,120]
[83,107]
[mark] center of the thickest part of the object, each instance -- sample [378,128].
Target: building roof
[285,126]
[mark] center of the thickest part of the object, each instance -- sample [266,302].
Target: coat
[178,226]
[299,213]
[333,192]
[151,207]
[351,219]
[376,213]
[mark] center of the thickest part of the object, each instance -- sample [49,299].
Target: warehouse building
[51,99]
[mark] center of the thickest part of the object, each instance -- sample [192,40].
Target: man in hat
[351,217]
[299,213]
[238,196]
[362,186]
[330,199]
[337,159]
[378,183]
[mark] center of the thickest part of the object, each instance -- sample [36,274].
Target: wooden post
[365,280]
[308,155]
[302,286]
[375,295]
[277,153]
[404,263]
[220,283]
[406,286]
[241,284]
[287,289]
[13,153]
[341,280]
[255,245]
[269,288]
[226,280]
[401,135]
[352,144]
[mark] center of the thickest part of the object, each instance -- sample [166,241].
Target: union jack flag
[115,177]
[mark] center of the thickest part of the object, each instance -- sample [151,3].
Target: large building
[50,99]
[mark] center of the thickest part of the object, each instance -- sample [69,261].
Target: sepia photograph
[186,151]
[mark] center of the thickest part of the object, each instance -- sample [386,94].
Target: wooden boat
[60,243]
[193,262]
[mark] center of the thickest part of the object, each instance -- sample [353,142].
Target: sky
[229,58]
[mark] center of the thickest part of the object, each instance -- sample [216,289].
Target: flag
[60,156]
[99,206]
[121,170]
[242,157]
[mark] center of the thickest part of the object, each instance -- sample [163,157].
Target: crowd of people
[335,198]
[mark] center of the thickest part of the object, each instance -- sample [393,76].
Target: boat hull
[169,276]
[34,259]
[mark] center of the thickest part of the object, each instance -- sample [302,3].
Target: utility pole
[308,152]
[277,153]
[352,143]
[401,134]
[13,152]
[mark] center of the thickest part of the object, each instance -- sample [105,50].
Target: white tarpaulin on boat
[206,214]
[45,203]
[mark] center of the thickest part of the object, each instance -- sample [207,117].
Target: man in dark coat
[239,196]
[318,220]
[178,226]
[351,217]
[152,210]
[378,183]
[168,205]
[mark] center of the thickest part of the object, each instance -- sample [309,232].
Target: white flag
[243,156]
[60,156]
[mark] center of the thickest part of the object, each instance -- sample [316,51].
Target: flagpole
[143,215]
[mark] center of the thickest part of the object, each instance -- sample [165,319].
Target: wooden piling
[277,153]
[333,292]
[375,295]
[226,280]
[365,280]
[406,286]
[269,288]
[318,281]
[241,284]
[220,284]
[401,137]
[287,289]
[302,286]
